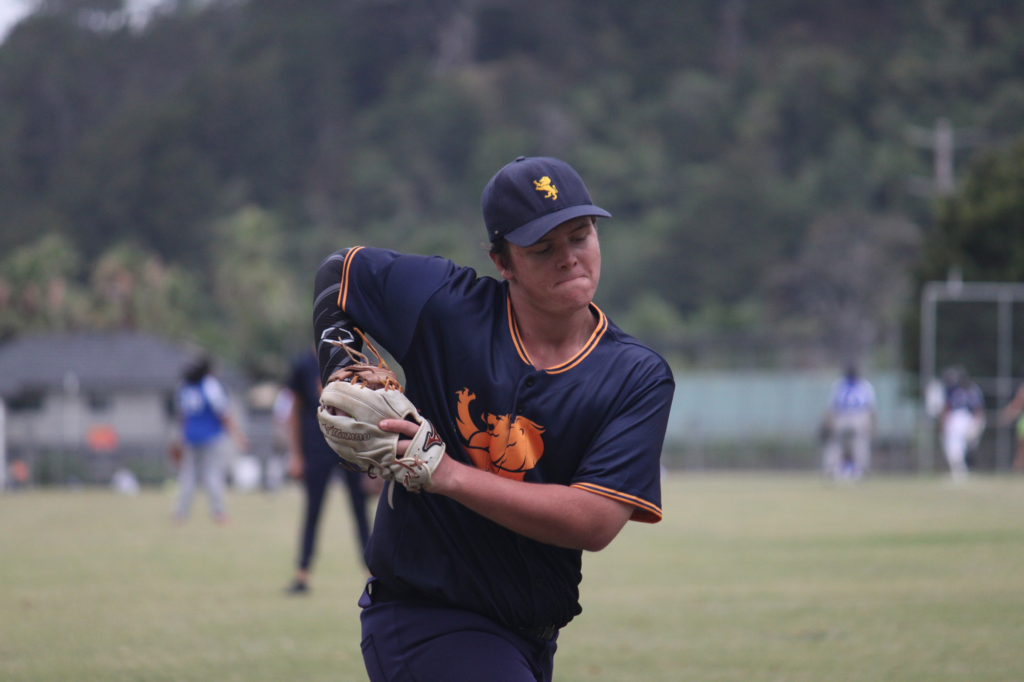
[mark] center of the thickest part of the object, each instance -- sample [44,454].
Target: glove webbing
[359,359]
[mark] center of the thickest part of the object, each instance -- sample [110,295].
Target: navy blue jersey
[304,383]
[596,422]
[965,397]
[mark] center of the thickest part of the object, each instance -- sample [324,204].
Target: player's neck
[552,339]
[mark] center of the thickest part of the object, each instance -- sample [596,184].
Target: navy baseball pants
[412,641]
[316,477]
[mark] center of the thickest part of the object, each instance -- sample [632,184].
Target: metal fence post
[1004,382]
[926,434]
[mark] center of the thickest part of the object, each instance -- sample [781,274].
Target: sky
[10,12]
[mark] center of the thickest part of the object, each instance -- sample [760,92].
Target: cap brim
[528,234]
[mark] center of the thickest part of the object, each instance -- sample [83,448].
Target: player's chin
[575,293]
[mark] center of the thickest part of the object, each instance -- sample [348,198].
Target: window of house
[28,400]
[170,405]
[100,401]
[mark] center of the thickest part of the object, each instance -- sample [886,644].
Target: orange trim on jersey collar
[513,328]
[591,344]
[345,265]
[643,511]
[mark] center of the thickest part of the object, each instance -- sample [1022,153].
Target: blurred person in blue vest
[206,425]
[962,420]
[312,461]
[849,421]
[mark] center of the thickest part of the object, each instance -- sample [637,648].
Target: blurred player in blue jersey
[962,420]
[553,419]
[849,421]
[205,424]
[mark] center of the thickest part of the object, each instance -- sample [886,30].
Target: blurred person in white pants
[962,420]
[850,418]
[205,426]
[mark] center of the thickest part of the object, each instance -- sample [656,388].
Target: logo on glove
[335,432]
[432,439]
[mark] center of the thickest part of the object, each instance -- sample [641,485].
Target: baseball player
[850,417]
[312,460]
[205,424]
[962,420]
[553,421]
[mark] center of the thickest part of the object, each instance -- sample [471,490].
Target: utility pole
[730,42]
[943,140]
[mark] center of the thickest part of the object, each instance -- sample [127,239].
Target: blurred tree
[981,229]
[260,315]
[716,131]
[133,289]
[851,277]
[979,234]
[37,288]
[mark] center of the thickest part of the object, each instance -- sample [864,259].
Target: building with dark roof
[79,405]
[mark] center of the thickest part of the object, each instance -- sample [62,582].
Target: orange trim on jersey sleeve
[643,511]
[591,344]
[345,265]
[514,331]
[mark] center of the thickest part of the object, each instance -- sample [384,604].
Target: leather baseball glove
[354,401]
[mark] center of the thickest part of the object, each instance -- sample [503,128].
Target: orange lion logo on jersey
[499,444]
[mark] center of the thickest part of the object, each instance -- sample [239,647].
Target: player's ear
[503,262]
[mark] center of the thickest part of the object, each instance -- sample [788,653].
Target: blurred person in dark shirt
[312,461]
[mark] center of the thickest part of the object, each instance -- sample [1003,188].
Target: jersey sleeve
[215,395]
[624,462]
[377,291]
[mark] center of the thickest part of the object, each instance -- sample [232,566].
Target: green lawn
[748,578]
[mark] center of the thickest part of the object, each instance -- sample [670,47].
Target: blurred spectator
[281,430]
[18,474]
[205,425]
[847,427]
[962,421]
[313,461]
[1014,410]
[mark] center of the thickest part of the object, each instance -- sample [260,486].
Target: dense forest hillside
[186,174]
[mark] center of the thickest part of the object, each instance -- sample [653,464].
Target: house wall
[64,420]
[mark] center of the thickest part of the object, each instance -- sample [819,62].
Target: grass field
[748,578]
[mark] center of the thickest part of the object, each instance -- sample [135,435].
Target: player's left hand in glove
[352,405]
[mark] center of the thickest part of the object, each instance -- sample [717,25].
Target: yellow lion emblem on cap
[544,185]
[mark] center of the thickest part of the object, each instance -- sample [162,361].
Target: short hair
[500,248]
[197,370]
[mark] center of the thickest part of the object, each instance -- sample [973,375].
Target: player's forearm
[294,431]
[231,426]
[552,514]
[331,322]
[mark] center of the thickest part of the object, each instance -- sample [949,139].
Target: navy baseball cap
[530,197]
